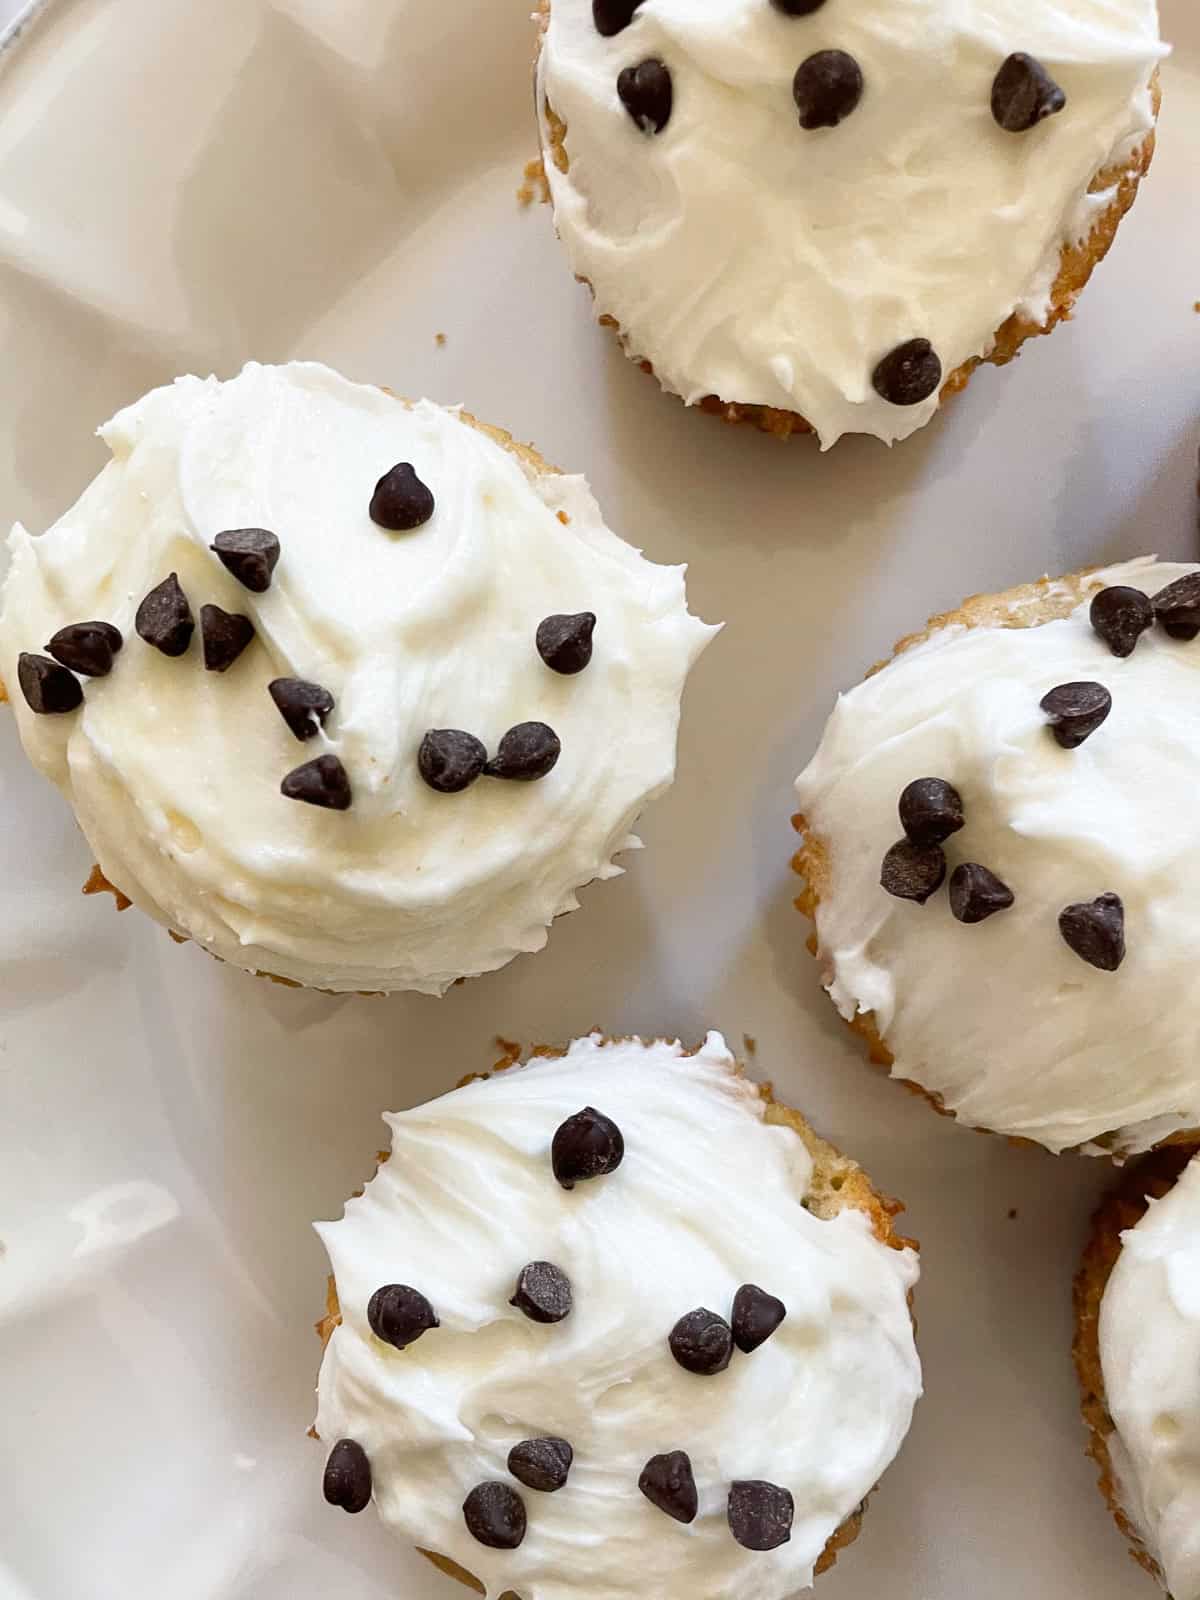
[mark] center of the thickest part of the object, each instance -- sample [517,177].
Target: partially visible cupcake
[616,1320]
[350,690]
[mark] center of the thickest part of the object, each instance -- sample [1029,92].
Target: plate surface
[183,187]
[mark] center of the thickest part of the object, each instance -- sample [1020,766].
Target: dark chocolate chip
[250,554]
[587,1145]
[760,1514]
[826,88]
[702,1342]
[668,1482]
[645,92]
[913,871]
[1177,607]
[543,1292]
[1180,630]
[495,1515]
[1095,930]
[756,1315]
[47,686]
[87,647]
[164,618]
[302,705]
[225,634]
[613,16]
[565,642]
[1120,615]
[976,893]
[323,782]
[348,1476]
[450,760]
[401,501]
[1075,711]
[541,1463]
[797,8]
[526,752]
[1023,93]
[399,1314]
[931,810]
[908,374]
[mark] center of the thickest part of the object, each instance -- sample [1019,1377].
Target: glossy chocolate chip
[47,685]
[645,92]
[495,1515]
[702,1342]
[399,1314]
[543,1292]
[87,647]
[1024,93]
[587,1145]
[323,782]
[224,634]
[756,1315]
[541,1464]
[930,810]
[1095,930]
[450,760]
[1120,615]
[826,88]
[976,893]
[302,705]
[250,554]
[401,501]
[760,1514]
[1075,710]
[797,8]
[565,642]
[613,16]
[348,1476]
[913,871]
[164,618]
[1177,607]
[668,1482]
[526,752]
[908,374]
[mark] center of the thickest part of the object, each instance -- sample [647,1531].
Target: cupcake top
[1150,1358]
[686,1212]
[320,587]
[774,197]
[1046,990]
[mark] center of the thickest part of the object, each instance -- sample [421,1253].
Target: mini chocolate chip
[541,1463]
[976,893]
[225,634]
[302,705]
[87,647]
[702,1342]
[401,501]
[645,92]
[47,686]
[1095,930]
[668,1482]
[348,1476]
[250,554]
[450,760]
[565,642]
[913,871]
[164,618]
[1075,711]
[1120,615]
[543,1292]
[797,8]
[323,782]
[495,1515]
[908,374]
[1177,607]
[1023,93]
[930,810]
[826,88]
[756,1315]
[760,1514]
[399,1314]
[613,16]
[587,1145]
[526,752]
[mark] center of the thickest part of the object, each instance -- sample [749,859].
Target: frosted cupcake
[616,1318]
[351,691]
[822,217]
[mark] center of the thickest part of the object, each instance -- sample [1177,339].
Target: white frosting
[1002,1019]
[174,772]
[709,1196]
[1150,1358]
[749,259]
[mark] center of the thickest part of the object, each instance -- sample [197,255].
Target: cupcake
[822,218]
[1137,1352]
[352,691]
[616,1318]
[1000,848]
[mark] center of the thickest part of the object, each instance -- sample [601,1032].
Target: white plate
[184,186]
